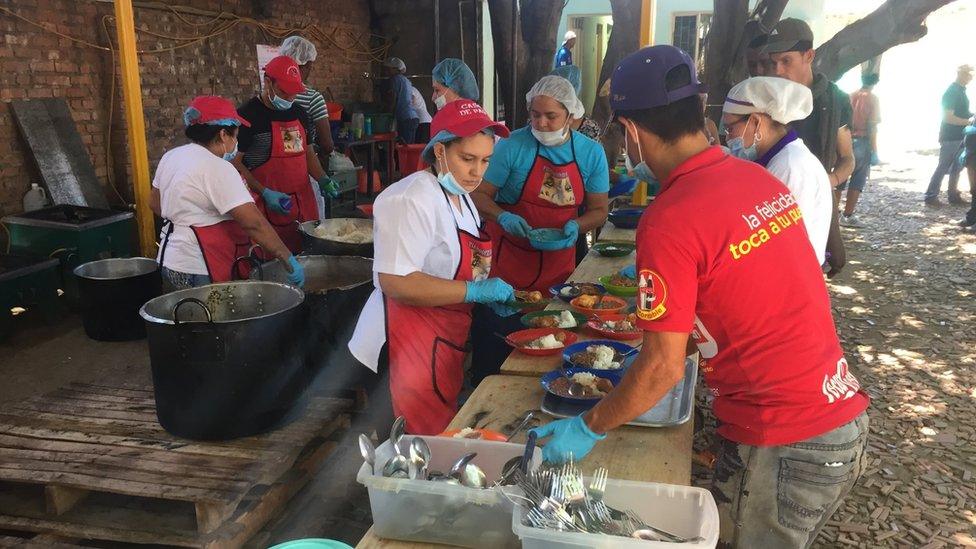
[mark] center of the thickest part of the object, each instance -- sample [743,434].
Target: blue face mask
[228,156]
[641,171]
[447,181]
[279,103]
[738,149]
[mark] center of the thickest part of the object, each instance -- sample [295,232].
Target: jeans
[176,280]
[781,496]
[948,164]
[862,165]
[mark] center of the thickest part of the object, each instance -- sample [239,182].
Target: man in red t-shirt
[723,256]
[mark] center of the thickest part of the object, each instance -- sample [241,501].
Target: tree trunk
[894,22]
[535,45]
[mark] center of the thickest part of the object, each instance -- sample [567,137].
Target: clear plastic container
[681,510]
[437,512]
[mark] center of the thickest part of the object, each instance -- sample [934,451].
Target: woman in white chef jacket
[432,261]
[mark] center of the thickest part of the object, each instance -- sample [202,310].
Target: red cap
[212,109]
[465,117]
[284,71]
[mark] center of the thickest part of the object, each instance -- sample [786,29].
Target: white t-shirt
[414,229]
[419,106]
[196,189]
[807,179]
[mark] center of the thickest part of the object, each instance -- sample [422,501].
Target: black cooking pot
[111,291]
[316,245]
[227,359]
[336,288]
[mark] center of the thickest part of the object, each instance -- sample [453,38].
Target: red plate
[615,306]
[594,326]
[521,338]
[479,434]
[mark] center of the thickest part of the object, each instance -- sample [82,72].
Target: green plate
[619,291]
[580,319]
[614,249]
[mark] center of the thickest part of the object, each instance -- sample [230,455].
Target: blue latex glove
[629,271]
[570,437]
[492,290]
[273,199]
[625,185]
[328,187]
[514,224]
[874,159]
[297,274]
[571,232]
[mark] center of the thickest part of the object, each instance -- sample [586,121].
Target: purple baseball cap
[638,82]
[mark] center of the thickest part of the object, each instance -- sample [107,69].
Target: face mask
[641,171]
[738,148]
[447,181]
[440,101]
[550,139]
[228,156]
[279,103]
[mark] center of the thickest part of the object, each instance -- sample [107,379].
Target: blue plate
[626,218]
[621,348]
[555,291]
[614,376]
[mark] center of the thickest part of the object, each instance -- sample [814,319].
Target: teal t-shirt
[512,160]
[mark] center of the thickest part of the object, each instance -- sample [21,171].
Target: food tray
[674,409]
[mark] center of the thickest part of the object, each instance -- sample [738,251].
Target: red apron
[287,172]
[427,345]
[551,196]
[221,244]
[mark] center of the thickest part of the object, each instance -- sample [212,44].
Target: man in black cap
[826,132]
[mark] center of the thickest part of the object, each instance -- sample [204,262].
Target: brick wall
[35,64]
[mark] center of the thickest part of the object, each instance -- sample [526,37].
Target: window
[689,33]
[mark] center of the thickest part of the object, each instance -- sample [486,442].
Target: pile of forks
[558,499]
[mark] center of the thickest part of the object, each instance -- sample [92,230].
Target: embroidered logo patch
[652,295]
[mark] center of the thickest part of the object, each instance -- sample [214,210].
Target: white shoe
[850,220]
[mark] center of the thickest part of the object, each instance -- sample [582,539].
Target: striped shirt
[313,103]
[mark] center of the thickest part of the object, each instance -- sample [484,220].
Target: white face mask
[550,139]
[440,101]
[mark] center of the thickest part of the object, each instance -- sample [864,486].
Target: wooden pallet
[91,462]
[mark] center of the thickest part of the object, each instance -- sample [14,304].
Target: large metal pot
[227,358]
[336,288]
[315,245]
[111,291]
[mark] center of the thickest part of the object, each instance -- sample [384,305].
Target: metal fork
[598,484]
[640,525]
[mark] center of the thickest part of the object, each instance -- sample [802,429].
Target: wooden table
[630,453]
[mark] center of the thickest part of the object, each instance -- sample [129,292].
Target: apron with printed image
[427,345]
[286,171]
[551,197]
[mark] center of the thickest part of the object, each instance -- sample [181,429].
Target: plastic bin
[682,510]
[408,157]
[347,180]
[437,512]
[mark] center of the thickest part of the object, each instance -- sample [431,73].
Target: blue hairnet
[454,74]
[445,137]
[571,73]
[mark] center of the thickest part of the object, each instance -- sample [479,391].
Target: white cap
[396,63]
[559,89]
[569,35]
[783,100]
[299,49]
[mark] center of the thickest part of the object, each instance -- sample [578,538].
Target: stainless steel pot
[336,288]
[111,291]
[315,245]
[227,359]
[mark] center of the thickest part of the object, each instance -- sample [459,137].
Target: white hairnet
[783,100]
[559,89]
[299,49]
[569,35]
[396,63]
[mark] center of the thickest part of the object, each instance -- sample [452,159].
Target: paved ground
[906,313]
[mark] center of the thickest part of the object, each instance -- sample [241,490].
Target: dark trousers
[488,350]
[948,164]
[407,130]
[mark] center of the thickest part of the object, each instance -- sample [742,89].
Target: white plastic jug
[35,198]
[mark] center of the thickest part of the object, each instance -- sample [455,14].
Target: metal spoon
[419,457]
[459,465]
[368,451]
[398,466]
[473,477]
[575,388]
[518,428]
[396,433]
